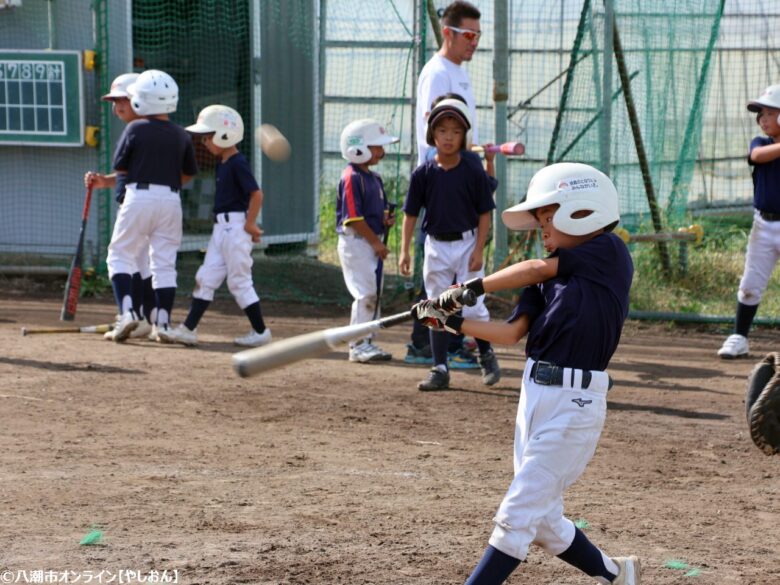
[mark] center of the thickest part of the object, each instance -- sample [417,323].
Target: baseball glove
[763,404]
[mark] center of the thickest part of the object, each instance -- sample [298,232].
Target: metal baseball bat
[507,148]
[85,329]
[287,351]
[73,284]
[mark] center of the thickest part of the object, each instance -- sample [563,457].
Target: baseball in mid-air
[273,143]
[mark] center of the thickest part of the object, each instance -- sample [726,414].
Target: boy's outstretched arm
[476,260]
[765,154]
[497,331]
[522,274]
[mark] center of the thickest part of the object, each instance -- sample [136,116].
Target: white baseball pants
[448,262]
[358,265]
[229,255]
[556,433]
[763,252]
[150,216]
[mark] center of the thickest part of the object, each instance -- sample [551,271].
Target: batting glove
[451,300]
[431,315]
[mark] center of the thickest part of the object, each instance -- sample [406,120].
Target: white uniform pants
[763,252]
[556,434]
[229,255]
[142,262]
[358,265]
[448,262]
[147,217]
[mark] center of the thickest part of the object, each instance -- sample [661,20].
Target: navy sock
[197,308]
[745,314]
[165,298]
[138,293]
[439,342]
[493,568]
[584,555]
[484,346]
[148,298]
[255,316]
[122,284]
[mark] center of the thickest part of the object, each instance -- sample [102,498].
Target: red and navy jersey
[361,196]
[155,151]
[766,179]
[577,317]
[235,182]
[453,199]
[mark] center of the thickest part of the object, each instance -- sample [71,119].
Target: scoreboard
[41,98]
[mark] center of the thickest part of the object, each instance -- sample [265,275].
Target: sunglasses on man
[468,34]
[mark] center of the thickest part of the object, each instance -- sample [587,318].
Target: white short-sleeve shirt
[440,76]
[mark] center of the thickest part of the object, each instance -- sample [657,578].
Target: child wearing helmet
[457,196]
[237,201]
[572,309]
[154,158]
[142,291]
[762,251]
[363,216]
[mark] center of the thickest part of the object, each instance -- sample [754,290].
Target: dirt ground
[332,472]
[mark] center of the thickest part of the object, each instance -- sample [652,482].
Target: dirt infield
[332,472]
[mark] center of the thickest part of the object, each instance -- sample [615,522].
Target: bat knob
[469,297]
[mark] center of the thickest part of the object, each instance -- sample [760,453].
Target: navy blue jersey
[766,179]
[235,183]
[576,317]
[155,151]
[361,196]
[453,199]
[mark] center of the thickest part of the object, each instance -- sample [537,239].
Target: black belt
[225,215]
[548,374]
[449,236]
[769,216]
[145,187]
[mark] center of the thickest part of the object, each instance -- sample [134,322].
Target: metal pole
[500,97]
[605,127]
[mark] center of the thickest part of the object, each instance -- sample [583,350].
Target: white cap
[770,98]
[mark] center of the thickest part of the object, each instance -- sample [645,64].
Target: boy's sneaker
[254,339]
[630,571]
[178,334]
[491,373]
[164,334]
[366,352]
[422,355]
[143,330]
[125,325]
[735,346]
[437,380]
[462,359]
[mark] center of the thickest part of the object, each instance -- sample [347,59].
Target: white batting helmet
[119,86]
[154,92]
[770,98]
[224,122]
[449,107]
[574,187]
[357,136]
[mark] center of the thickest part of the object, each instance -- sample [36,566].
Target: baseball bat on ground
[508,148]
[87,329]
[73,284]
[294,349]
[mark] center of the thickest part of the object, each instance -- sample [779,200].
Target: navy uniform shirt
[155,151]
[453,199]
[766,179]
[361,196]
[235,183]
[576,317]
